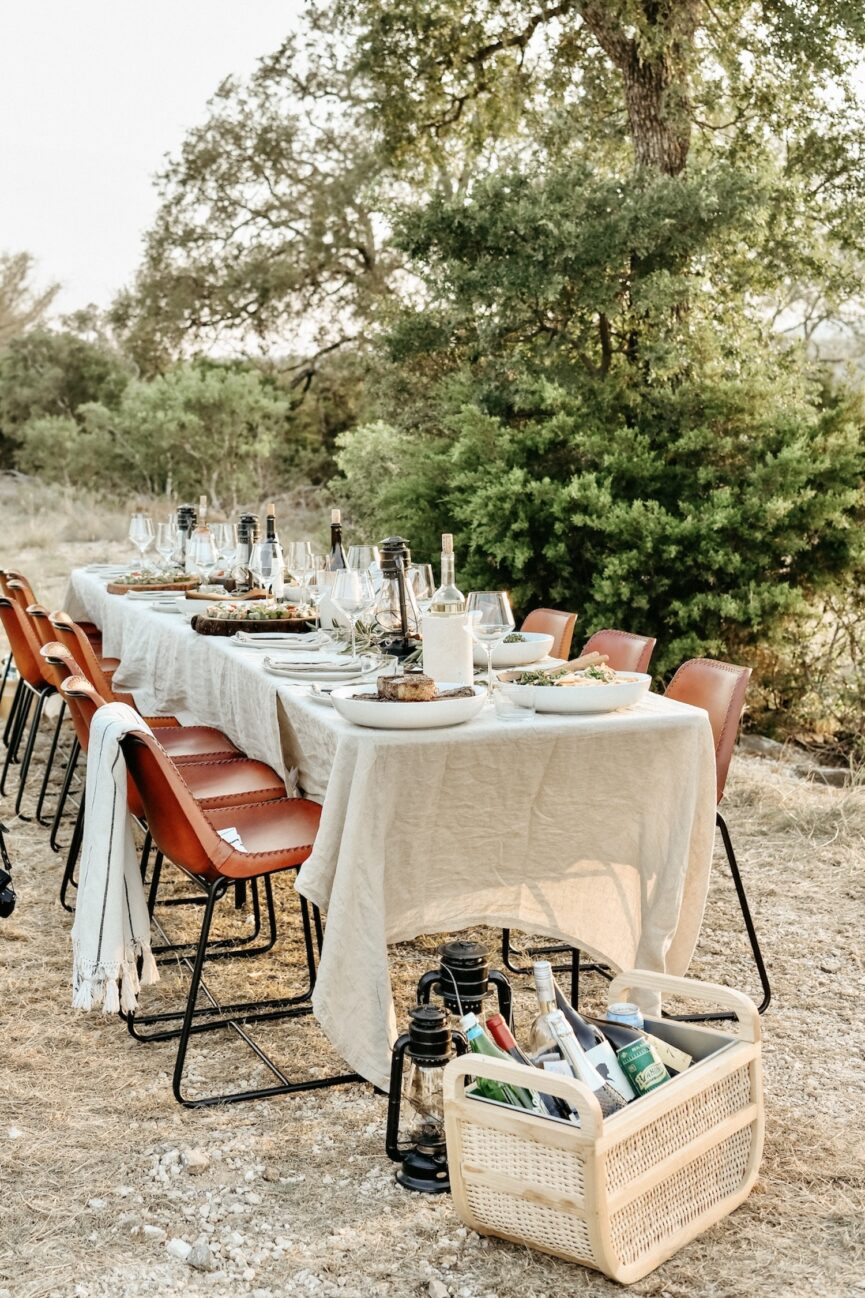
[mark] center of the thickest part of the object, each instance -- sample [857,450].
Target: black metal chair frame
[26,695]
[575,968]
[194,1019]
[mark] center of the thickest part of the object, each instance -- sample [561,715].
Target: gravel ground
[107,1184]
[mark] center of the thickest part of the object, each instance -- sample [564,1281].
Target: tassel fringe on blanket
[111,955]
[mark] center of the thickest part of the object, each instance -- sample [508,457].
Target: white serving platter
[622,693]
[531,649]
[355,704]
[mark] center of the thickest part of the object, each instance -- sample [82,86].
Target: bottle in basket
[643,1066]
[480,1044]
[598,1050]
[582,1067]
[504,1039]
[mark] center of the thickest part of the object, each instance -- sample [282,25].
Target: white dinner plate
[622,693]
[530,649]
[353,703]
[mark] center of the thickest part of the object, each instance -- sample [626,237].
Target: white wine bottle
[447,641]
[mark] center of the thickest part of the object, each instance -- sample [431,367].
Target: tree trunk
[658,113]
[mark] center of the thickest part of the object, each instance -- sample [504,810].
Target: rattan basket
[620,1195]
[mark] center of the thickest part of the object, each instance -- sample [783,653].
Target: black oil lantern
[7,892]
[429,1044]
[396,610]
[463,980]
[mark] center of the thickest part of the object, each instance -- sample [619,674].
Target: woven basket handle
[742,1005]
[466,1067]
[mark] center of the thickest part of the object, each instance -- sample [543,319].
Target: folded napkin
[280,639]
[348,667]
[152,595]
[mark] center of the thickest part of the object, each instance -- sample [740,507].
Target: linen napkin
[281,639]
[112,924]
[347,667]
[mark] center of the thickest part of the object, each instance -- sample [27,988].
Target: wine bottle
[541,1040]
[621,1035]
[505,1040]
[480,1044]
[597,1047]
[337,554]
[271,540]
[448,601]
[607,1096]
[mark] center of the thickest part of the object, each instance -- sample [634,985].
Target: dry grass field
[100,1170]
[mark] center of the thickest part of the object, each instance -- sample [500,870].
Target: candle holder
[464,979]
[429,1045]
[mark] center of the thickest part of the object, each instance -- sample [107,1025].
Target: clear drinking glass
[225,536]
[508,710]
[298,562]
[202,554]
[423,584]
[141,534]
[166,542]
[354,593]
[265,561]
[490,619]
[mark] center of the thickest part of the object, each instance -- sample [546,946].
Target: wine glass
[319,583]
[353,592]
[423,584]
[225,536]
[490,619]
[166,542]
[202,554]
[298,562]
[141,534]
[265,562]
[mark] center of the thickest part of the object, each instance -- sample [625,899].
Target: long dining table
[593,829]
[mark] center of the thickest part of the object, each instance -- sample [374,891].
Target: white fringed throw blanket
[112,925]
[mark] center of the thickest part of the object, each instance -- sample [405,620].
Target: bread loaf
[411,687]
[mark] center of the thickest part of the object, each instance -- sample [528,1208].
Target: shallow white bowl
[351,703]
[531,649]
[582,698]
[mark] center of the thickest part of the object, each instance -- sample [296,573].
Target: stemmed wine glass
[202,554]
[265,562]
[353,592]
[490,619]
[298,562]
[320,583]
[366,558]
[225,536]
[423,584]
[141,534]
[166,542]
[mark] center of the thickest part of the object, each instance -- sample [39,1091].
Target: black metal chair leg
[7,667]
[71,764]
[13,713]
[21,715]
[746,914]
[726,1016]
[145,854]
[72,857]
[49,763]
[27,759]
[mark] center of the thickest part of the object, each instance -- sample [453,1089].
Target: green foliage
[52,373]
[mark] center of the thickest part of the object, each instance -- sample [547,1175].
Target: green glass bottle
[481,1044]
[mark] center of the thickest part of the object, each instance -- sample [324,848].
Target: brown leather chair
[554,622]
[232,781]
[277,836]
[719,688]
[34,689]
[625,652]
[97,670]
[23,592]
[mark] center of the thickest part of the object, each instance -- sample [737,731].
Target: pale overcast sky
[93,94]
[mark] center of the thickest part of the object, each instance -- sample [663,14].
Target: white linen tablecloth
[597,830]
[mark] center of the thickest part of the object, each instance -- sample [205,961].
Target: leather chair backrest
[719,688]
[22,642]
[40,620]
[83,702]
[22,592]
[554,622]
[71,635]
[179,829]
[625,652]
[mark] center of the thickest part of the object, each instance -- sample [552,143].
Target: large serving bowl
[358,703]
[623,693]
[531,649]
